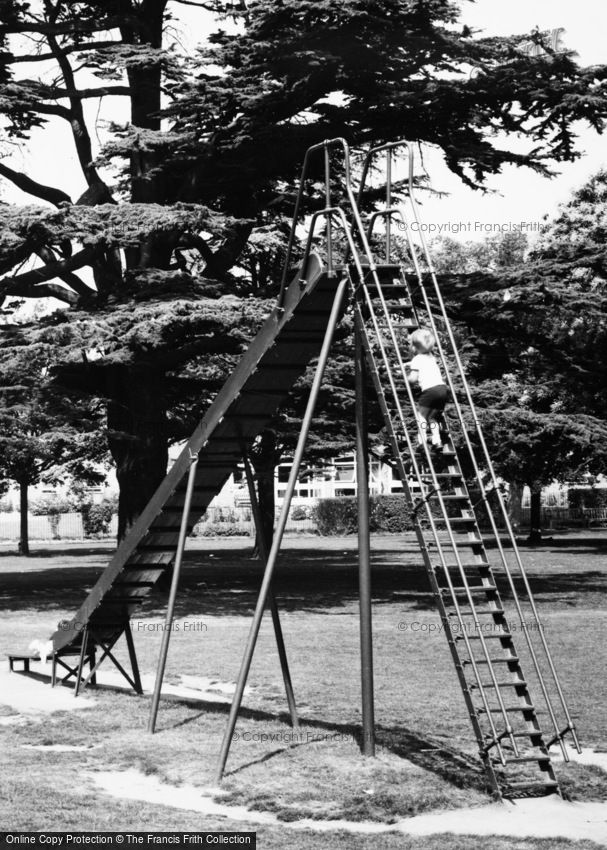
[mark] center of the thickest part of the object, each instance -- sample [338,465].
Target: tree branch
[72,280]
[32,187]
[45,92]
[48,109]
[27,285]
[44,57]
[67,27]
[46,290]
[80,132]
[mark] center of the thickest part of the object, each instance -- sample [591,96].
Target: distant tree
[41,440]
[535,337]
[537,448]
[496,253]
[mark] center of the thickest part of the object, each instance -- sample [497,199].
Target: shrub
[390,514]
[300,513]
[6,505]
[96,518]
[585,498]
[220,529]
[336,516]
[387,515]
[51,507]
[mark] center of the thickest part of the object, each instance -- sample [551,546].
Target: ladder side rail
[388,148]
[502,505]
[373,270]
[453,545]
[427,559]
[324,146]
[478,477]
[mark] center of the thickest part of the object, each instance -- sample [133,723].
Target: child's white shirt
[428,371]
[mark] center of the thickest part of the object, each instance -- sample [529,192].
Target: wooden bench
[24,658]
[56,659]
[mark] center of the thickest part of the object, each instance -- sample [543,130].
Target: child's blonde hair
[422,340]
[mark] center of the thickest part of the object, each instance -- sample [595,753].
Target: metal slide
[288,340]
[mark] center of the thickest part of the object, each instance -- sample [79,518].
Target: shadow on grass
[227,582]
[457,768]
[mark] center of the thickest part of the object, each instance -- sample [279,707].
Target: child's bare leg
[423,424]
[433,425]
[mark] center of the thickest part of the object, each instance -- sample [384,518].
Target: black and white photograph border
[303,444]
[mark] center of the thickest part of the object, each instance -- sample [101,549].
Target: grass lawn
[426,758]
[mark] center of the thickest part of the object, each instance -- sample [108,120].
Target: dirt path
[547,817]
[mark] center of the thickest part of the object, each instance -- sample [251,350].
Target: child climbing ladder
[425,371]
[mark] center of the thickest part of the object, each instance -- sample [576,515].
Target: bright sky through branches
[522,195]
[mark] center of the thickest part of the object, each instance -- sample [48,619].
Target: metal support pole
[328,206]
[168,625]
[280,527]
[263,546]
[83,648]
[388,203]
[364,548]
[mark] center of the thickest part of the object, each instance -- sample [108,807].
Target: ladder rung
[122,600]
[135,584]
[512,659]
[459,520]
[546,783]
[465,564]
[477,588]
[506,636]
[511,709]
[472,541]
[522,759]
[426,475]
[146,567]
[519,684]
[528,733]
[371,287]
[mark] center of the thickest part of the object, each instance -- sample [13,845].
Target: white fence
[221,522]
[218,522]
[68,527]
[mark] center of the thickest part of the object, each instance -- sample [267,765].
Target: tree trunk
[515,499]
[24,543]
[535,511]
[264,459]
[137,437]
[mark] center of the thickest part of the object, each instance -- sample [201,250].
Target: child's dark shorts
[434,398]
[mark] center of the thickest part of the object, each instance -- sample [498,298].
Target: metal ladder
[505,720]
